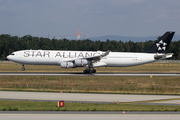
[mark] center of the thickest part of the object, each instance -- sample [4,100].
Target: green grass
[51,106]
[93,84]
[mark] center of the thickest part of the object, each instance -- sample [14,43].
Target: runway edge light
[60,103]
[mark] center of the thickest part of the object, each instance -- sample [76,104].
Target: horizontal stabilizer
[160,57]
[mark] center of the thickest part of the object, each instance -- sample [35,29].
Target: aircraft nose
[8,57]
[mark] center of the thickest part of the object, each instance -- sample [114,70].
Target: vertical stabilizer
[162,44]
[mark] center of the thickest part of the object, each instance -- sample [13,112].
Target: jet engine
[82,62]
[67,65]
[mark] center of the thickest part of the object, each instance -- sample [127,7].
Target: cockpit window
[12,53]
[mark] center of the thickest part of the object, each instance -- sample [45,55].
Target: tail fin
[162,44]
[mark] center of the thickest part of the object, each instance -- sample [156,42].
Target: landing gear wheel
[23,69]
[89,71]
[85,71]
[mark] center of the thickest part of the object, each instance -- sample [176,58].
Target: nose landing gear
[23,69]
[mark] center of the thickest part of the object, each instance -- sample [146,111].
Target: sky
[61,18]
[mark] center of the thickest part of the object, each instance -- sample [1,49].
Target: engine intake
[67,65]
[82,62]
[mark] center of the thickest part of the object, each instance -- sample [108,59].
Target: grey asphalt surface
[86,97]
[48,115]
[82,74]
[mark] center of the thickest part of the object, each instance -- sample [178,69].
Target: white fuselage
[52,57]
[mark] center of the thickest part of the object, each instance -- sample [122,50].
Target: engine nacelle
[82,62]
[67,65]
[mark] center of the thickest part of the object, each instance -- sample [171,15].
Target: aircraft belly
[40,61]
[125,62]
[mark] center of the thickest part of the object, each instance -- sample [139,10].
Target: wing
[98,57]
[92,58]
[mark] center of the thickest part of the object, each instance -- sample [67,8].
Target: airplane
[93,59]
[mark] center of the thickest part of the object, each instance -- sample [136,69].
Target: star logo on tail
[161,45]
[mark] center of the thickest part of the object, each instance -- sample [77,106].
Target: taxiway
[46,115]
[83,97]
[82,74]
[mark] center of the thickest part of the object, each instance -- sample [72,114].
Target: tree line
[9,44]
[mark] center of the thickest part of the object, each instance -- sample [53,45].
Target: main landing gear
[89,71]
[23,69]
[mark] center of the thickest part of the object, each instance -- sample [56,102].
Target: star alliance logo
[161,45]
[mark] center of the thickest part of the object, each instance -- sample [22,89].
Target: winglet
[106,53]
